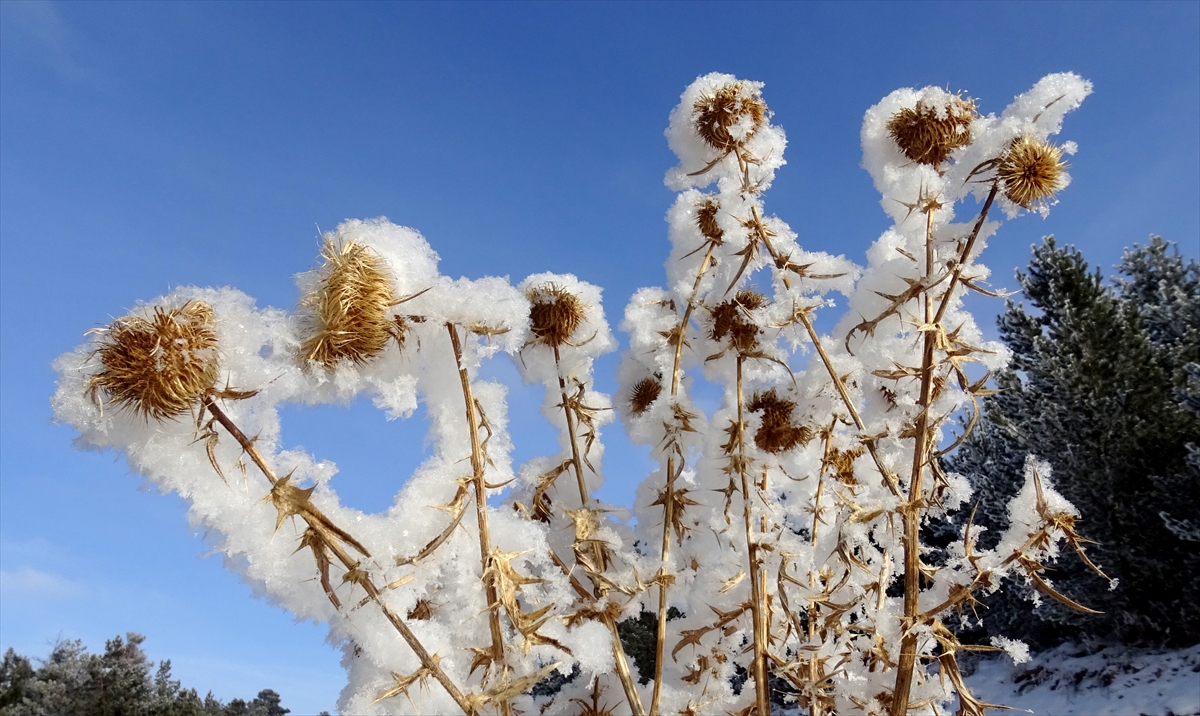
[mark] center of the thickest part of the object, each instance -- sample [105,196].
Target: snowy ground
[1069,681]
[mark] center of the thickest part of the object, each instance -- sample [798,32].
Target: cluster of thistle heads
[1030,171]
[770,530]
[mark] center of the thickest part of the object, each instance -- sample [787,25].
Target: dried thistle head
[350,315]
[1031,171]
[728,117]
[422,610]
[777,433]
[730,319]
[928,134]
[554,314]
[706,220]
[644,393]
[158,366]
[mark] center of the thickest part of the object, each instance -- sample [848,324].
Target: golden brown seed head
[554,314]
[421,611]
[730,319]
[926,137]
[350,311]
[1031,171]
[160,366]
[644,393]
[716,113]
[706,219]
[777,433]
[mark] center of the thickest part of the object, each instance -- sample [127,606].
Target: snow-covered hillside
[1069,681]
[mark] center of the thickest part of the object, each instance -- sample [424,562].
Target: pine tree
[117,683]
[1098,386]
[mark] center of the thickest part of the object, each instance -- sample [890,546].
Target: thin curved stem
[428,661]
[477,480]
[888,477]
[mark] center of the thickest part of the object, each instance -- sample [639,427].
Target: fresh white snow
[1073,681]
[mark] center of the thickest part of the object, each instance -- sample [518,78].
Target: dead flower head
[644,393]
[729,117]
[706,220]
[1030,171]
[350,309]
[421,611]
[927,135]
[777,433]
[554,315]
[158,366]
[730,319]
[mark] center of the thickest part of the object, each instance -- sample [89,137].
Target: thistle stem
[660,641]
[576,461]
[669,502]
[758,602]
[427,660]
[966,253]
[477,479]
[247,444]
[840,385]
[911,510]
[618,649]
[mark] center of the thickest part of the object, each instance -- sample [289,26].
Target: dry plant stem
[566,405]
[485,541]
[661,636]
[758,603]
[966,252]
[814,664]
[911,510]
[247,444]
[624,673]
[669,502]
[622,663]
[427,660]
[833,374]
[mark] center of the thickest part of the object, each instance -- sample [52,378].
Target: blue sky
[144,146]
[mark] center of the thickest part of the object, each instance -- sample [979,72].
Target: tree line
[118,682]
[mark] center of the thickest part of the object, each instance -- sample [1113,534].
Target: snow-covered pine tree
[1097,386]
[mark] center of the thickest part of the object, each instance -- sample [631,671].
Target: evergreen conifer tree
[117,683]
[1099,387]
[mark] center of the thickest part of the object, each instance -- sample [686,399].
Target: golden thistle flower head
[350,309]
[1031,171]
[777,433]
[729,116]
[730,319]
[161,365]
[928,134]
[554,314]
[643,395]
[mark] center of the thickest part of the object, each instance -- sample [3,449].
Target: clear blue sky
[148,145]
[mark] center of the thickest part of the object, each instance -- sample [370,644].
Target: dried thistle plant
[731,107]
[350,311]
[807,629]
[554,314]
[778,432]
[706,221]
[927,135]
[731,318]
[159,367]
[1031,171]
[643,395]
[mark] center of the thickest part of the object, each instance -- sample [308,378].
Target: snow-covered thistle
[783,529]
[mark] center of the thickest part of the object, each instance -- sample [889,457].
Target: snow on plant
[784,529]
